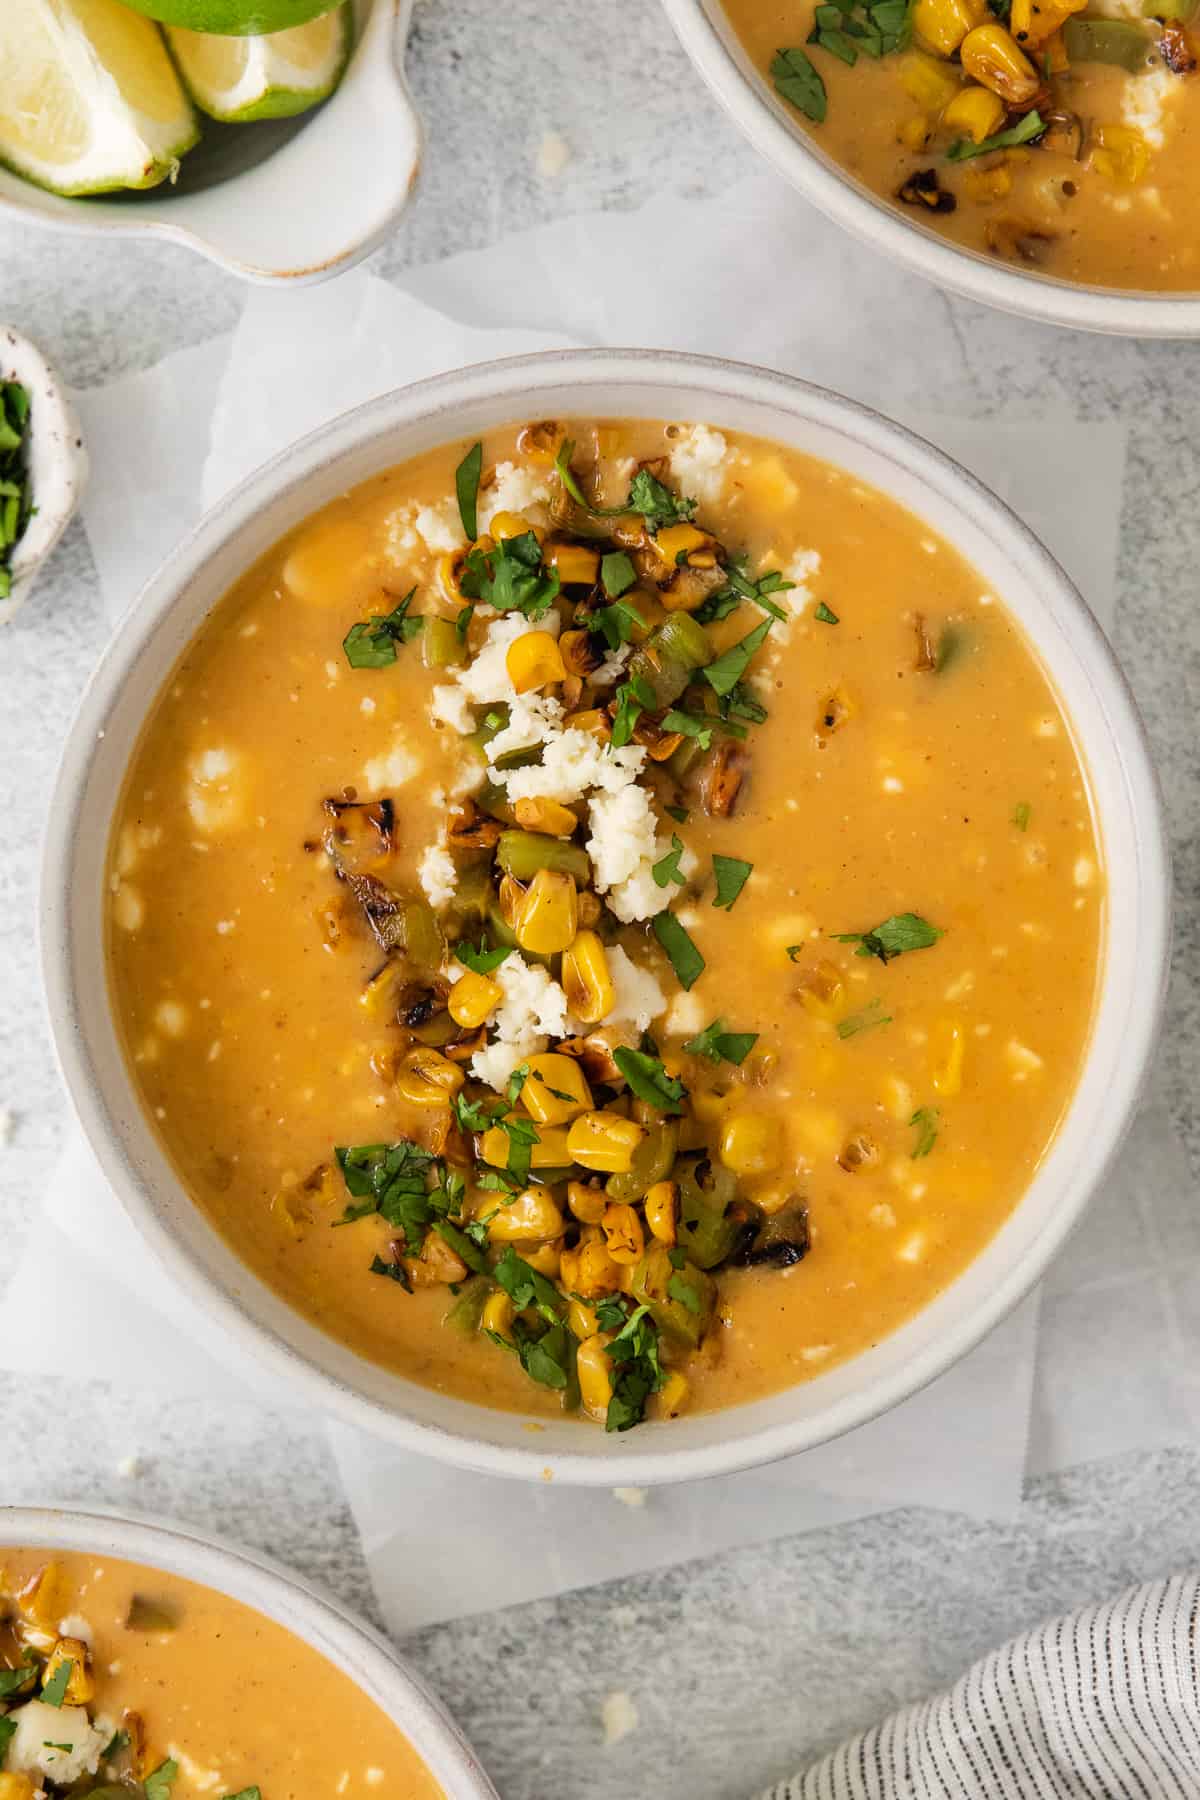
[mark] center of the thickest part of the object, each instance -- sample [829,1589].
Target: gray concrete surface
[743,1666]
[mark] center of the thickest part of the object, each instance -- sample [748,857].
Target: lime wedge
[89,99]
[233,18]
[238,79]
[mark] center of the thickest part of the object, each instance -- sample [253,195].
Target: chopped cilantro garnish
[1022,813]
[617,573]
[13,1680]
[250,1793]
[680,814]
[826,615]
[511,577]
[719,1045]
[656,503]
[617,623]
[464,1245]
[649,1080]
[474,1115]
[466,486]
[1023,132]
[405,1184]
[865,1020]
[371,644]
[526,1286]
[159,1783]
[55,1690]
[394,1271]
[462,621]
[691,725]
[738,587]
[732,875]
[903,931]
[795,952]
[724,674]
[16,497]
[666,869]
[925,1119]
[483,960]
[637,1370]
[516,1082]
[634,697]
[686,960]
[797,80]
[522,1135]
[117,1742]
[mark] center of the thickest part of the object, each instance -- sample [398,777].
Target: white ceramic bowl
[354,1648]
[773,128]
[155,632]
[56,460]
[286,201]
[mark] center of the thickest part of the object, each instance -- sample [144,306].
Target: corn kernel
[672,1397]
[586,980]
[550,1151]
[930,83]
[596,723]
[949,1046]
[985,185]
[604,1141]
[589,1271]
[624,1237]
[498,1315]
[532,1218]
[577,565]
[449,570]
[80,1689]
[750,1144]
[709,1104]
[821,990]
[508,525]
[675,541]
[1036,21]
[975,110]
[545,1258]
[14,1786]
[1122,154]
[595,1375]
[942,25]
[45,1596]
[533,661]
[547,816]
[661,1206]
[427,1078]
[587,1203]
[472,999]
[992,55]
[547,917]
[555,1089]
[915,133]
[582,1319]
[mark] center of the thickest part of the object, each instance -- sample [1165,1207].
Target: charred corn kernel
[1121,153]
[709,1104]
[604,1141]
[582,1319]
[472,999]
[821,990]
[897,1099]
[930,83]
[661,1206]
[533,661]
[586,980]
[576,564]
[624,1237]
[548,915]
[449,568]
[587,1203]
[16,1787]
[594,722]
[750,1143]
[983,185]
[589,915]
[589,1271]
[498,1314]
[836,709]
[675,541]
[512,893]
[550,1151]
[672,1397]
[992,55]
[1035,21]
[80,1689]
[547,816]
[555,1089]
[976,111]
[427,1078]
[45,1597]
[773,1197]
[439,1264]
[378,995]
[595,1375]
[545,1258]
[942,25]
[949,1049]
[508,525]
[539,443]
[532,1218]
[915,133]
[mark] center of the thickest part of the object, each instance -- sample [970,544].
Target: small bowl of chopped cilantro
[43,466]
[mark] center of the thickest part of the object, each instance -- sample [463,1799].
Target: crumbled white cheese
[75,1626]
[619,1716]
[686,1016]
[1144,102]
[59,1741]
[515,490]
[574,763]
[698,463]
[448,705]
[533,1010]
[802,568]
[440,526]
[485,678]
[624,846]
[533,719]
[554,153]
[391,770]
[639,999]
[438,875]
[214,796]
[194,1773]
[613,667]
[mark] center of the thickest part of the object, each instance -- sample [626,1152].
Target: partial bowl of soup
[141,1662]
[605,915]
[1031,156]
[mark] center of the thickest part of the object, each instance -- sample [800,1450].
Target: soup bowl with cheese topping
[141,1660]
[1032,156]
[606,915]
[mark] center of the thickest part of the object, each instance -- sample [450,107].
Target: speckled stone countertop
[743,1666]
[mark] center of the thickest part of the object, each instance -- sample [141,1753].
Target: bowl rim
[867,216]
[439,403]
[265,1585]
[377,51]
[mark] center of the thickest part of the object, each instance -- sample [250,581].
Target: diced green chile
[657,1283]
[707,1229]
[467,1311]
[1113,41]
[652,1160]
[522,853]
[670,657]
[441,646]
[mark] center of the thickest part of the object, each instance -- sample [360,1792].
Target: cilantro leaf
[656,502]
[637,1371]
[1022,813]
[475,1115]
[392,1180]
[686,960]
[689,725]
[666,869]
[732,875]
[826,615]
[522,1135]
[617,573]
[926,1121]
[738,587]
[394,1271]
[618,622]
[483,960]
[371,644]
[466,486]
[724,674]
[159,1783]
[13,1680]
[526,1286]
[649,1080]
[8,1729]
[903,931]
[634,697]
[547,1357]
[869,1017]
[719,1045]
[464,1246]
[250,1793]
[1023,132]
[16,494]
[798,81]
[680,814]
[511,577]
[55,1690]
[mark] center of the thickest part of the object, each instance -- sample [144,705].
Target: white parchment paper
[1107,1373]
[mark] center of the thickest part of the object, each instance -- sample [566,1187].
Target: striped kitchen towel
[1101,1705]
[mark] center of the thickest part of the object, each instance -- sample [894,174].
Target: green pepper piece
[465,1315]
[1113,41]
[707,1230]
[652,1160]
[522,853]
[441,646]
[681,1301]
[1178,11]
[670,657]
[423,942]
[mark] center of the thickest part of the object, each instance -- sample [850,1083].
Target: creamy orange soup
[1056,134]
[638,998]
[117,1680]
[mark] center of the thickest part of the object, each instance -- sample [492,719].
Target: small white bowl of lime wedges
[43,466]
[276,137]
